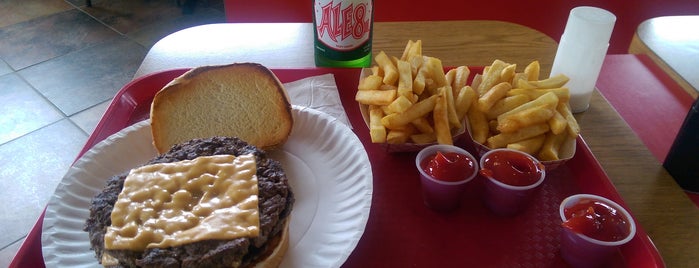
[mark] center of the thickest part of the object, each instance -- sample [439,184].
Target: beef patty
[275,203]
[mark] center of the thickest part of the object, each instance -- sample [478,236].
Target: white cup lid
[591,25]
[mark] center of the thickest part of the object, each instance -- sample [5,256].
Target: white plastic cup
[581,52]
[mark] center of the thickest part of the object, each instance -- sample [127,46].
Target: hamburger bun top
[244,100]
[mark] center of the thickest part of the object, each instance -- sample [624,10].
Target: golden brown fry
[506,104]
[479,125]
[525,118]
[437,69]
[376,129]
[532,71]
[375,97]
[450,76]
[573,127]
[552,145]
[549,100]
[440,117]
[389,69]
[385,109]
[508,73]
[524,84]
[522,91]
[400,104]
[454,119]
[551,82]
[466,97]
[376,70]
[388,87]
[395,60]
[422,125]
[430,85]
[415,49]
[415,63]
[477,78]
[371,82]
[419,83]
[417,110]
[397,136]
[517,77]
[434,76]
[503,139]
[530,146]
[405,55]
[491,77]
[460,78]
[405,79]
[491,96]
[558,123]
[563,93]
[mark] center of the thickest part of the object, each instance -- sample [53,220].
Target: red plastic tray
[401,231]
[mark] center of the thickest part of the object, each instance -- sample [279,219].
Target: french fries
[376,97]
[377,130]
[490,96]
[501,140]
[530,146]
[479,125]
[417,110]
[520,111]
[440,117]
[412,100]
[390,71]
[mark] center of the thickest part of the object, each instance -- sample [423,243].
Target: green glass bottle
[343,32]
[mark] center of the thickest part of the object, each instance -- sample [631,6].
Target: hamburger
[275,204]
[211,198]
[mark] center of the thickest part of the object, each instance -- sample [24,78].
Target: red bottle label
[343,24]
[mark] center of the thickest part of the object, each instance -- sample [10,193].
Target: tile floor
[60,65]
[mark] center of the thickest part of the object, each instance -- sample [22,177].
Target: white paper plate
[325,162]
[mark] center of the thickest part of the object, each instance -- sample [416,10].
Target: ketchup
[511,168]
[448,166]
[596,220]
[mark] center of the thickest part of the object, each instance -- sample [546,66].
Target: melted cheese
[172,204]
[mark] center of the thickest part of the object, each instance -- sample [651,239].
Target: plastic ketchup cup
[583,245]
[443,180]
[511,178]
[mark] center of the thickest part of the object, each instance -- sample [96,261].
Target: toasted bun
[244,100]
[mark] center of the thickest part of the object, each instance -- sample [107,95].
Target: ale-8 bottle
[343,32]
